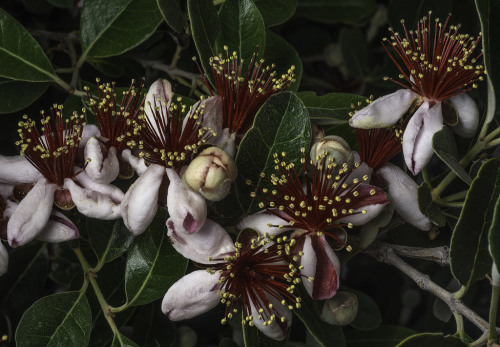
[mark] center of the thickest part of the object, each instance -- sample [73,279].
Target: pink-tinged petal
[137,164]
[4,259]
[58,229]
[384,111]
[362,172]
[366,205]
[320,263]
[89,131]
[187,209]
[109,190]
[417,139]
[468,115]
[159,96]
[403,191]
[100,169]
[277,329]
[92,203]
[211,111]
[210,241]
[32,214]
[6,190]
[17,169]
[191,296]
[264,222]
[140,203]
[226,140]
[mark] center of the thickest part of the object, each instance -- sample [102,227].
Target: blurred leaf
[153,265]
[109,239]
[335,11]
[445,147]
[62,319]
[62,3]
[64,265]
[414,11]
[354,51]
[117,66]
[16,95]
[21,57]
[430,340]
[115,26]
[122,341]
[469,256]
[330,108]
[284,56]
[253,337]
[368,316]
[428,207]
[172,13]
[494,235]
[205,27]
[277,11]
[241,29]
[383,336]
[152,328]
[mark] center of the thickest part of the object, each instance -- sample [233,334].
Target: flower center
[378,146]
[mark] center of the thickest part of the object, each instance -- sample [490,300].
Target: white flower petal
[191,296]
[403,191]
[58,229]
[368,205]
[277,329]
[159,96]
[384,111]
[211,109]
[89,131]
[17,169]
[92,203]
[140,203]
[4,259]
[114,193]
[100,169]
[32,214]
[210,241]
[187,209]
[263,222]
[6,190]
[468,115]
[417,138]
[137,164]
[226,141]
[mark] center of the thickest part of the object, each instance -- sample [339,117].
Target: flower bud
[334,148]
[211,174]
[341,309]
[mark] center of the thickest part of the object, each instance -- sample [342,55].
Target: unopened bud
[211,174]
[340,310]
[336,150]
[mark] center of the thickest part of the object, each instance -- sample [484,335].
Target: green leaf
[16,95]
[153,265]
[284,56]
[242,29]
[172,13]
[330,108]
[431,339]
[494,235]
[489,12]
[469,256]
[445,147]
[115,26]
[205,27]
[277,11]
[368,316]
[64,265]
[354,51]
[21,57]
[428,207]
[253,337]
[62,319]
[152,327]
[335,11]
[109,239]
[383,336]
[122,341]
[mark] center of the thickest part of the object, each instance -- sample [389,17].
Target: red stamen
[378,146]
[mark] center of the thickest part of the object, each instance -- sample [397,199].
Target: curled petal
[137,164]
[370,201]
[264,222]
[212,113]
[403,191]
[384,111]
[100,169]
[159,95]
[191,296]
[276,330]
[58,229]
[226,140]
[210,241]
[468,115]
[322,265]
[109,190]
[4,259]
[17,169]
[89,131]
[187,209]
[32,214]
[417,139]
[92,203]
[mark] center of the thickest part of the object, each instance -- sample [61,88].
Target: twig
[440,255]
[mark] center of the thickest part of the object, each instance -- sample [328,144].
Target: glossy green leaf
[368,316]
[205,27]
[172,13]
[489,12]
[428,207]
[21,57]
[469,256]
[335,11]
[383,336]
[153,265]
[445,147]
[284,56]
[431,339]
[109,239]
[330,108]
[242,29]
[494,235]
[62,319]
[354,51]
[115,26]
[16,95]
[253,337]
[277,11]
[120,340]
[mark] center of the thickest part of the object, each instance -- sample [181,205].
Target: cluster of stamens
[53,154]
[436,64]
[257,274]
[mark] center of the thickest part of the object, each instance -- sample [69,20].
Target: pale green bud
[340,310]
